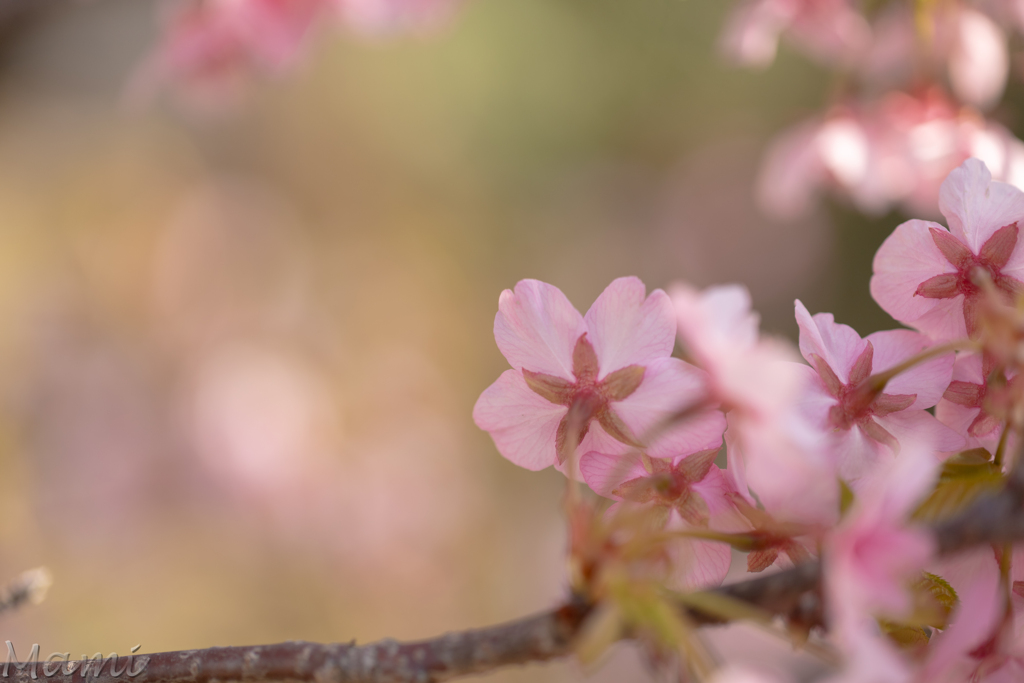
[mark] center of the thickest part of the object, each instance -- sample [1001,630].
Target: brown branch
[794,593]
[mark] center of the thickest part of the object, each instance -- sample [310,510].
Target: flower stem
[876,383]
[1001,448]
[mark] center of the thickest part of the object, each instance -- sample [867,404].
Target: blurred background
[239,353]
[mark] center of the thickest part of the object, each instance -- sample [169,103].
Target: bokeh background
[239,353]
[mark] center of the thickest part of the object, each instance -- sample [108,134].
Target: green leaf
[940,589]
[845,498]
[934,600]
[961,481]
[975,456]
[907,637]
[600,631]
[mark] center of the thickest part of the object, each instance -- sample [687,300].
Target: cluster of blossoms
[211,48]
[916,78]
[843,457]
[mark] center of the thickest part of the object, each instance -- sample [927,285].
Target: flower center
[857,404]
[587,399]
[972,269]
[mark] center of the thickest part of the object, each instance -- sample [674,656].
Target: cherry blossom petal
[699,564]
[975,578]
[980,61]
[838,345]
[870,658]
[751,35]
[732,673]
[927,380]
[736,464]
[714,321]
[596,439]
[671,385]
[536,328]
[960,418]
[792,170]
[604,472]
[907,258]
[626,328]
[920,424]
[976,206]
[895,490]
[782,456]
[719,331]
[717,489]
[857,455]
[380,16]
[522,424]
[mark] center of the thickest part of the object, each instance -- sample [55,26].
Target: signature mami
[61,664]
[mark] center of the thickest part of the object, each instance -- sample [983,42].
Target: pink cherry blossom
[689,488]
[955,37]
[870,558]
[381,16]
[866,427]
[772,448]
[963,405]
[925,275]
[733,673]
[210,47]
[611,370]
[829,30]
[970,643]
[882,153]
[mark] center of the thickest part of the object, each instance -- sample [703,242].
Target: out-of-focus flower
[605,379]
[893,152]
[969,647]
[691,492]
[953,40]
[963,405]
[383,16]
[741,674]
[870,559]
[211,48]
[259,418]
[865,426]
[927,277]
[979,59]
[832,31]
[772,447]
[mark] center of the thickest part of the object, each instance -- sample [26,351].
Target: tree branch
[795,593]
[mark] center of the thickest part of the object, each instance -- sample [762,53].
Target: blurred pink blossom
[963,408]
[211,48]
[955,41]
[973,642]
[772,447]
[895,151]
[870,558]
[693,492]
[832,31]
[381,16]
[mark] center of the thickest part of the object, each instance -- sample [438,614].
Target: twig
[794,593]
